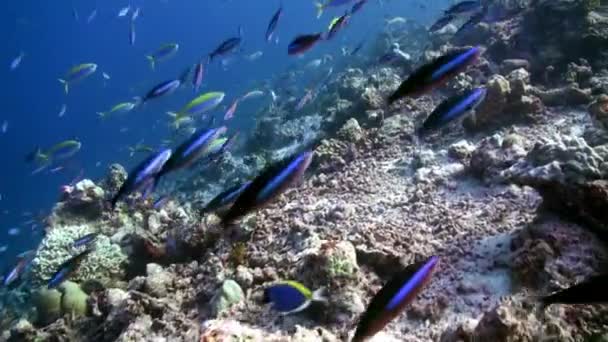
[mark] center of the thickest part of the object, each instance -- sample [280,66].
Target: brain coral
[104,264]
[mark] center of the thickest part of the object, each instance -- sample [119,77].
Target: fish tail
[319,295]
[152,62]
[66,86]
[320,9]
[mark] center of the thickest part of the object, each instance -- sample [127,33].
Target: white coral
[103,264]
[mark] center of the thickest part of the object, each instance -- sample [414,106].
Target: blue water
[54,41]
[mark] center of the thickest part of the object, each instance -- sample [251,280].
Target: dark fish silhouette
[268,185]
[463,7]
[303,43]
[146,172]
[272,25]
[66,269]
[227,46]
[85,240]
[453,108]
[393,297]
[590,291]
[162,89]
[435,73]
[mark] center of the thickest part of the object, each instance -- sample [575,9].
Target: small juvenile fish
[303,43]
[92,16]
[14,231]
[435,73]
[225,198]
[164,52]
[123,107]
[393,298]
[231,110]
[124,11]
[254,56]
[66,269]
[132,33]
[272,25]
[336,25]
[330,3]
[63,109]
[17,61]
[147,170]
[85,240]
[453,108]
[590,291]
[252,94]
[463,7]
[105,76]
[291,297]
[77,73]
[135,14]
[161,202]
[162,89]
[199,74]
[269,184]
[357,6]
[4,126]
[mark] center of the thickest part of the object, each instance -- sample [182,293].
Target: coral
[73,299]
[104,264]
[230,293]
[599,111]
[48,305]
[117,175]
[351,131]
[332,262]
[81,202]
[157,280]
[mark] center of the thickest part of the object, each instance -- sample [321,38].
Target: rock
[115,298]
[569,95]
[157,280]
[509,65]
[117,175]
[48,305]
[228,294]
[334,262]
[461,150]
[243,276]
[498,90]
[492,156]
[351,131]
[599,111]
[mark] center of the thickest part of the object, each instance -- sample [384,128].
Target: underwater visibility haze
[332,170]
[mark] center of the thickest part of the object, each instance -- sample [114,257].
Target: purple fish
[231,110]
[162,89]
[199,74]
[303,43]
[227,46]
[394,297]
[66,269]
[305,99]
[192,149]
[225,198]
[452,109]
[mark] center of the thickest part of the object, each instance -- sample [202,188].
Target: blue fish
[272,25]
[303,43]
[162,89]
[473,20]
[357,6]
[433,74]
[85,240]
[66,269]
[161,201]
[393,297]
[225,198]
[268,185]
[463,7]
[192,149]
[14,274]
[139,177]
[291,297]
[441,22]
[227,46]
[453,108]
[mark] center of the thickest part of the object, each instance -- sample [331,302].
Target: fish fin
[320,9]
[152,62]
[319,295]
[65,85]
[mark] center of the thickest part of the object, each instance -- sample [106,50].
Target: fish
[219,146]
[138,148]
[463,7]
[393,297]
[357,6]
[227,46]
[24,260]
[224,199]
[148,169]
[357,48]
[330,3]
[164,52]
[124,11]
[303,43]
[336,25]
[252,94]
[123,107]
[77,73]
[199,105]
[231,110]
[161,202]
[305,99]
[290,297]
[453,108]
[192,149]
[3,248]
[85,240]
[473,20]
[16,62]
[272,25]
[105,76]
[63,109]
[441,22]
[64,149]
[269,184]
[132,33]
[92,16]
[162,89]
[589,291]
[66,269]
[255,56]
[4,126]
[199,74]
[435,73]
[14,231]
[135,14]
[75,14]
